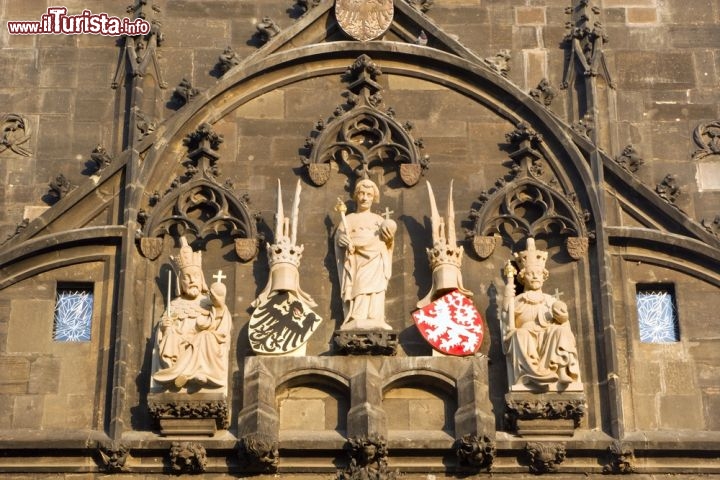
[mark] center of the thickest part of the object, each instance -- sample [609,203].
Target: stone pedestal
[189,414]
[529,414]
[365,342]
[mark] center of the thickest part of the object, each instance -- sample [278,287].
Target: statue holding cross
[363,249]
[193,336]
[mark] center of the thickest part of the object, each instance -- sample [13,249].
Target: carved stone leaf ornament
[364,20]
[361,135]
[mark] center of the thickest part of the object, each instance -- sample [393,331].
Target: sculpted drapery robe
[197,345]
[366,269]
[541,350]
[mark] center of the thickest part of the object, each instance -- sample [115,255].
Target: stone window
[73,313]
[657,314]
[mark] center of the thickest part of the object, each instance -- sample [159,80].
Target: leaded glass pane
[656,314]
[73,315]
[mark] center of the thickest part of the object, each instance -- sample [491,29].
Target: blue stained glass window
[73,314]
[657,314]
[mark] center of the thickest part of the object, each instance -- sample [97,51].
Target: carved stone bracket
[529,201]
[367,459]
[198,203]
[621,459]
[707,138]
[584,125]
[187,458]
[545,457]
[360,136]
[258,453]
[15,133]
[114,458]
[183,416]
[365,342]
[629,159]
[712,226]
[476,451]
[306,5]
[541,414]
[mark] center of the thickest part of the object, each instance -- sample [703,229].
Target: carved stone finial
[543,93]
[367,459]
[15,133]
[669,189]
[267,29]
[585,38]
[499,62]
[545,457]
[203,137]
[187,458]
[227,60]
[185,91]
[621,459]
[258,453]
[114,458]
[629,159]
[476,451]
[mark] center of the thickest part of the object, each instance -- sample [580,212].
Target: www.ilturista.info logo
[57,22]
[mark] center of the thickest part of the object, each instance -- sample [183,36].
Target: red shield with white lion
[451,324]
[364,19]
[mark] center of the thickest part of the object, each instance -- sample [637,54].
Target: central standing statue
[363,248]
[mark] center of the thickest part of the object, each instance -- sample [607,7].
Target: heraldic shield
[281,325]
[364,19]
[451,324]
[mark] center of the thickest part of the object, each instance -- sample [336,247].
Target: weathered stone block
[44,375]
[530,15]
[640,15]
[14,374]
[27,411]
[30,336]
[682,412]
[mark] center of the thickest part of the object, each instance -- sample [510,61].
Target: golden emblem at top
[364,19]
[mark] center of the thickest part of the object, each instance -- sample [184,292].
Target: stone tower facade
[360,239]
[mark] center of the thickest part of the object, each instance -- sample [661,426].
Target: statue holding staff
[363,249]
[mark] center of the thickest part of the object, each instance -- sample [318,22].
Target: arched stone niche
[421,403]
[312,404]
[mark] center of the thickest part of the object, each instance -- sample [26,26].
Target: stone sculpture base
[529,414]
[189,414]
[365,342]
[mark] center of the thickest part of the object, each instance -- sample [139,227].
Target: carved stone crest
[151,247]
[410,173]
[319,173]
[364,19]
[484,245]
[577,247]
[246,248]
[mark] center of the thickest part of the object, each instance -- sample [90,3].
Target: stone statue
[193,337]
[537,340]
[363,248]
